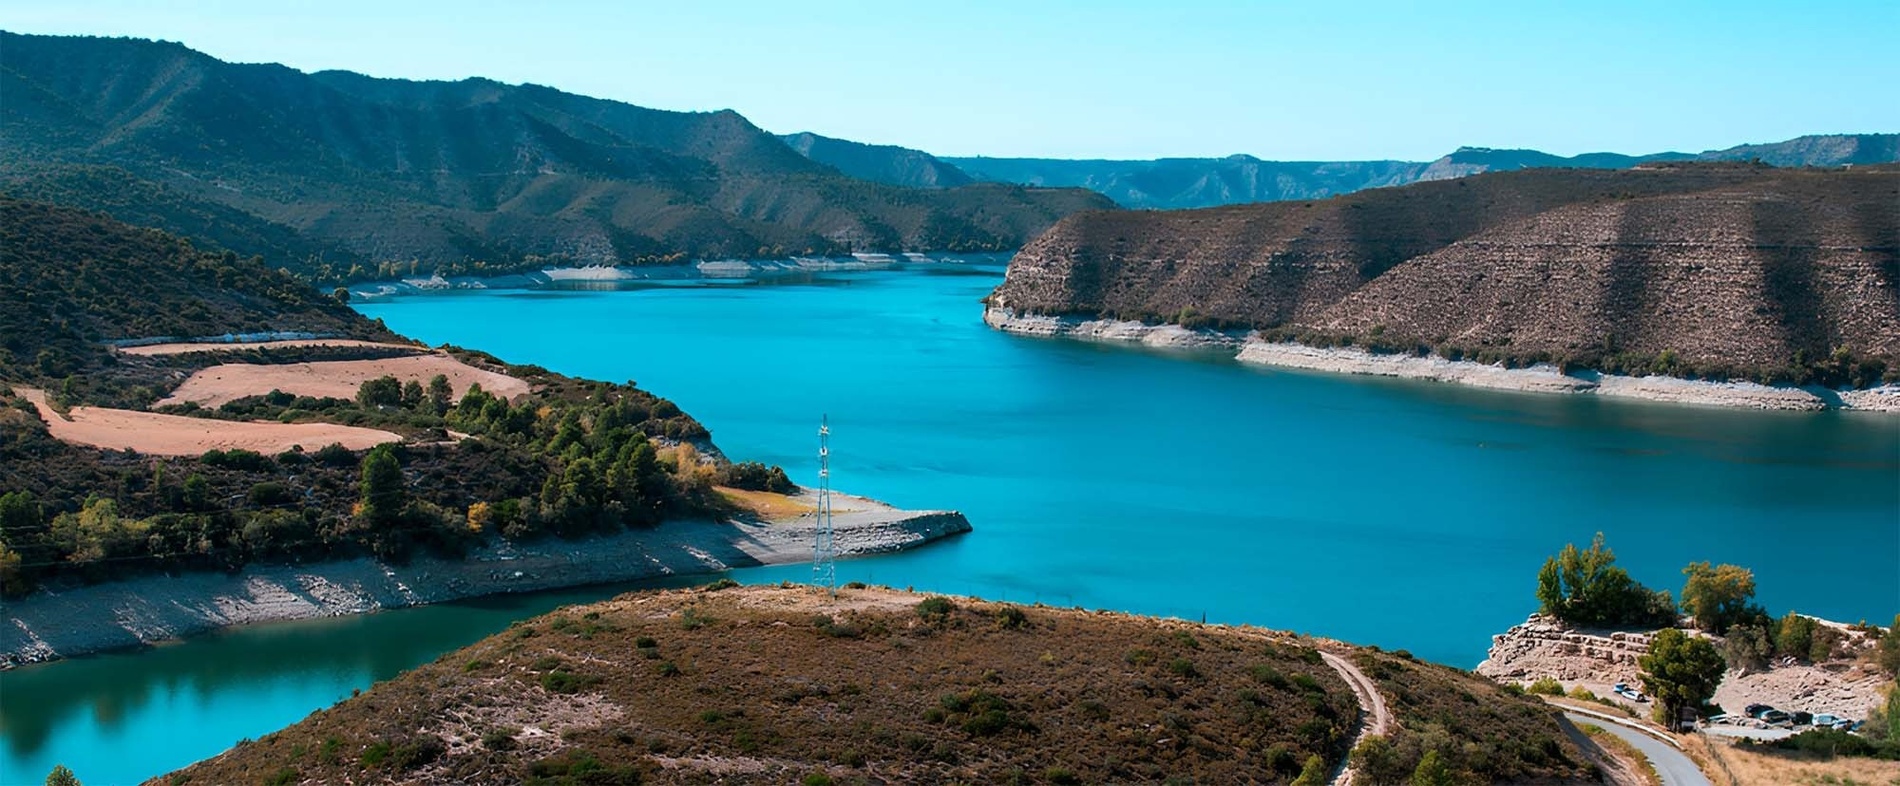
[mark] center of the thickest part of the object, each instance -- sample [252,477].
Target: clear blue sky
[1110,79]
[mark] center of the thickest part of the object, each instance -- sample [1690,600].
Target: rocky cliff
[1718,270]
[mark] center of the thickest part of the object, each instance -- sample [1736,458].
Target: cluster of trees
[574,458]
[1585,587]
[1682,671]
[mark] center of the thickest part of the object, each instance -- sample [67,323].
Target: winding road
[1374,718]
[1675,767]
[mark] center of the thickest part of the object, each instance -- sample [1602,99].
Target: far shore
[705,270]
[1250,348]
[64,622]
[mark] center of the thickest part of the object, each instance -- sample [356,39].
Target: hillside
[784,685]
[1174,183]
[76,279]
[116,463]
[1689,269]
[898,166]
[344,171]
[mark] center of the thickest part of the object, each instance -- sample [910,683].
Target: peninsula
[325,465]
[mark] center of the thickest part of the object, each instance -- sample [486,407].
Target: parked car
[1776,717]
[1801,718]
[1825,719]
[1755,710]
[1718,720]
[1624,690]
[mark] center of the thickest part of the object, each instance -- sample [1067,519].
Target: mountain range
[332,172]
[1175,183]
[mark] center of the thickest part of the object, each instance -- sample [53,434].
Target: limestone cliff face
[1722,266]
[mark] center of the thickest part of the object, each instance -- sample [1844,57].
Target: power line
[824,557]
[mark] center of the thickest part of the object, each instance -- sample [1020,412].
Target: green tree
[1888,653]
[384,493]
[412,395]
[441,394]
[1795,635]
[1433,771]
[1718,597]
[60,776]
[1313,773]
[1681,672]
[384,391]
[1585,587]
[1380,761]
[13,579]
[1747,647]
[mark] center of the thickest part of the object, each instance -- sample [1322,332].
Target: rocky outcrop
[1685,270]
[1544,647]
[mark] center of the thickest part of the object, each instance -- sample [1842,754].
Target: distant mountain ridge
[880,163]
[1175,183]
[348,170]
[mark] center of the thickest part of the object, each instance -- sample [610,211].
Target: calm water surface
[1409,515]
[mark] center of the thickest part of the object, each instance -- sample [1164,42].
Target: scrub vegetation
[786,685]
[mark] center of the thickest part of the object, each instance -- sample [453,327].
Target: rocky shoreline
[67,622]
[1249,348]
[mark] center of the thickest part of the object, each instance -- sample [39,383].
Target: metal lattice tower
[824,556]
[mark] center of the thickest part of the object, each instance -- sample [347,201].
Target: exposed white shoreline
[707,270]
[53,624]
[1249,348]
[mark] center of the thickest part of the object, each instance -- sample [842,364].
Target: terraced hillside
[346,173]
[1690,269]
[785,685]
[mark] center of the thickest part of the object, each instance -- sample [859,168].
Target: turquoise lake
[1403,514]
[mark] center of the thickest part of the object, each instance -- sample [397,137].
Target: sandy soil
[173,435]
[180,349]
[335,378]
[58,623]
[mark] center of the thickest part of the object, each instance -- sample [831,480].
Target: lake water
[1404,514]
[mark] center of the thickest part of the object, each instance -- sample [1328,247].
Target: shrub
[499,739]
[1546,686]
[1011,618]
[1182,667]
[562,681]
[935,608]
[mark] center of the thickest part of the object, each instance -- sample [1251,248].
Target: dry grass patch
[1633,760]
[765,504]
[1743,765]
[173,435]
[214,386]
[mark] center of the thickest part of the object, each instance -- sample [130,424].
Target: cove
[1403,514]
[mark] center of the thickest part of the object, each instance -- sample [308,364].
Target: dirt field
[336,378]
[172,435]
[180,349]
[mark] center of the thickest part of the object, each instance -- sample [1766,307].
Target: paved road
[1673,765]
